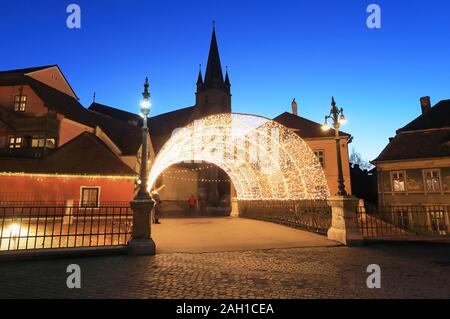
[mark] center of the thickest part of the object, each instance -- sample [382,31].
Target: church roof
[162,126]
[214,67]
[305,128]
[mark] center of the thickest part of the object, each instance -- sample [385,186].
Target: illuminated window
[42,142]
[432,180]
[15,142]
[90,197]
[20,103]
[398,181]
[321,157]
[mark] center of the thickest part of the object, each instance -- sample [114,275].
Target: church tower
[213,94]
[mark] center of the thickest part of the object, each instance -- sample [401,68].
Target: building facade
[323,144]
[414,168]
[52,149]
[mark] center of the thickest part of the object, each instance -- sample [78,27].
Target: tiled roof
[160,126]
[415,145]
[83,155]
[427,136]
[114,112]
[19,72]
[126,136]
[303,127]
[437,117]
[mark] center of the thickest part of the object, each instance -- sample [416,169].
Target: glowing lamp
[325,126]
[14,230]
[343,120]
[145,105]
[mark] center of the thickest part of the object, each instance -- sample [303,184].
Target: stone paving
[408,271]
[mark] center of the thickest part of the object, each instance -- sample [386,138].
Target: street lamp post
[145,111]
[338,118]
[141,242]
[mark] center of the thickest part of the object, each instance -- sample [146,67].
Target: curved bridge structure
[265,160]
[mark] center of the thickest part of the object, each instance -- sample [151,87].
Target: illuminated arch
[265,160]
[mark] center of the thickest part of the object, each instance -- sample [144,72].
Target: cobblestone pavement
[408,271]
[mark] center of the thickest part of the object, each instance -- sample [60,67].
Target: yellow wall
[331,169]
[415,192]
[179,186]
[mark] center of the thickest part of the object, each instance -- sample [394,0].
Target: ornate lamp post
[145,111]
[338,118]
[141,242]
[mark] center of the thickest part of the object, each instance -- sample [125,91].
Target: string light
[264,160]
[113,177]
[195,179]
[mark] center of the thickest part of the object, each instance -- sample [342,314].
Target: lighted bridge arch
[264,159]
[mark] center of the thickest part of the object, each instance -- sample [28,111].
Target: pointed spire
[214,75]
[200,77]
[227,78]
[93,98]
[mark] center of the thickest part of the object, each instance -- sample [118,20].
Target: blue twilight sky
[275,50]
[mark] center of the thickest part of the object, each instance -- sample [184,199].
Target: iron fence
[26,227]
[404,221]
[314,216]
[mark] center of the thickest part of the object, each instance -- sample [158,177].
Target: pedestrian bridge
[264,160]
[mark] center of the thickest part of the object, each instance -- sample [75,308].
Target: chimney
[425,103]
[294,107]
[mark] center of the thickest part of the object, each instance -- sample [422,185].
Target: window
[42,142]
[432,180]
[321,157]
[15,142]
[20,103]
[90,196]
[398,181]
[437,220]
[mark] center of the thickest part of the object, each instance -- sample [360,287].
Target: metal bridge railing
[314,216]
[25,227]
[404,221]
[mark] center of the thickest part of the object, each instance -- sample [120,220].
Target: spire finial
[333,103]
[93,98]
[214,24]
[146,94]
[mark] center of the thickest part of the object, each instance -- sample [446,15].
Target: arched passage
[265,160]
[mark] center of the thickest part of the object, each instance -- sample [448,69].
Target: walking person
[157,209]
[192,201]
